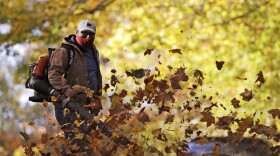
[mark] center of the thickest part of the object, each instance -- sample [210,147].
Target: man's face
[85,38]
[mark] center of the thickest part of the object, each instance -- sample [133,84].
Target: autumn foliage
[163,115]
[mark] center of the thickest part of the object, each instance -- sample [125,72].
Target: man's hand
[70,92]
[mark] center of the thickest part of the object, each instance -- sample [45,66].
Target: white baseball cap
[86,25]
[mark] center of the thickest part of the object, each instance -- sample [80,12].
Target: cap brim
[88,29]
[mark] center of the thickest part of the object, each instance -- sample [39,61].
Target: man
[83,71]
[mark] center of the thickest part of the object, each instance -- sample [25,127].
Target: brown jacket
[77,73]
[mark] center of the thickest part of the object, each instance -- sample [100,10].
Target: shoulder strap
[70,50]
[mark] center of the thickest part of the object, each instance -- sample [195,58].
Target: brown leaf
[244,124]
[142,110]
[137,73]
[143,117]
[260,80]
[202,140]
[169,119]
[105,60]
[28,150]
[235,103]
[114,80]
[31,123]
[149,80]
[156,132]
[219,64]
[207,117]
[116,102]
[265,130]
[275,113]
[175,51]
[44,138]
[217,150]
[25,136]
[148,52]
[224,122]
[175,82]
[162,137]
[107,86]
[198,74]
[123,93]
[247,95]
[235,137]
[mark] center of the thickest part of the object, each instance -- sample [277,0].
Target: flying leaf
[31,123]
[175,51]
[260,80]
[162,137]
[198,74]
[247,95]
[143,117]
[219,64]
[25,136]
[149,79]
[89,92]
[79,136]
[148,52]
[28,150]
[275,113]
[169,119]
[137,73]
[105,60]
[44,138]
[45,103]
[235,103]
[106,87]
[113,71]
[208,118]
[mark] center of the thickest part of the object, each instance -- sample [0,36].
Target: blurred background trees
[243,34]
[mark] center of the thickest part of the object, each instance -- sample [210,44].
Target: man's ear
[77,31]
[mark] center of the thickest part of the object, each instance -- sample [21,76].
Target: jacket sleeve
[58,66]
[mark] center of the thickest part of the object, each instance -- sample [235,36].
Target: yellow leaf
[77,123]
[79,136]
[45,103]
[89,92]
[79,88]
[66,111]
[53,98]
